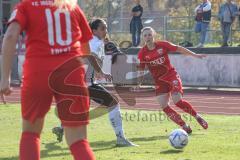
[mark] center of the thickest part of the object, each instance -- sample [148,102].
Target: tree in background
[112,10]
[180,8]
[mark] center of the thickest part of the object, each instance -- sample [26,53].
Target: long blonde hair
[64,3]
[145,29]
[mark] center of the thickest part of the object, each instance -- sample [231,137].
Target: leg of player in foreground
[73,107]
[76,138]
[36,100]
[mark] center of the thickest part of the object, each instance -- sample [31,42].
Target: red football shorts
[66,85]
[170,84]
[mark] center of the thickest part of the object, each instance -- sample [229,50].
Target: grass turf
[147,129]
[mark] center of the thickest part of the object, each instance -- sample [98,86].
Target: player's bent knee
[36,126]
[163,103]
[163,100]
[74,134]
[176,97]
[175,101]
[162,106]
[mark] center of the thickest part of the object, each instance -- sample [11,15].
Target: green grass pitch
[147,129]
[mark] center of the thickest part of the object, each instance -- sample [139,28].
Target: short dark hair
[95,23]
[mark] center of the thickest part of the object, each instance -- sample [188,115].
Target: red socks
[186,107]
[174,116]
[82,151]
[30,146]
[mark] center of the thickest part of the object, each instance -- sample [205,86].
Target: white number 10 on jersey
[55,17]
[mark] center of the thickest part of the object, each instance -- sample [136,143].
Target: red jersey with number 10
[157,60]
[53,35]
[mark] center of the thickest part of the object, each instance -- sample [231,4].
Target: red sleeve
[141,59]
[85,28]
[19,15]
[170,46]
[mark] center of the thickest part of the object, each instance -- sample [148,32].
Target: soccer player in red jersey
[57,36]
[154,56]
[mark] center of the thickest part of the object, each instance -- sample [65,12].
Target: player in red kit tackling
[57,36]
[154,56]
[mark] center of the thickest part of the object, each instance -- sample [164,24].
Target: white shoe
[123,142]
[200,45]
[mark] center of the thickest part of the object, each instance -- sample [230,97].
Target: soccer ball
[178,138]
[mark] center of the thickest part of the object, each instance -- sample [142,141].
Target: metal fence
[175,29]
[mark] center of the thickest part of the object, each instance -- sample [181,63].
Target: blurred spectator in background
[136,23]
[227,14]
[203,17]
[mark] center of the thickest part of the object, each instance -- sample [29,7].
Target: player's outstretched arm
[92,59]
[187,52]
[8,52]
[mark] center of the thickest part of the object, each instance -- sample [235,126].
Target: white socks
[116,120]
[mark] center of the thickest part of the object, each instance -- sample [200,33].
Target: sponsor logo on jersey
[158,61]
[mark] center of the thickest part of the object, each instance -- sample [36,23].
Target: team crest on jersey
[175,82]
[147,57]
[160,51]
